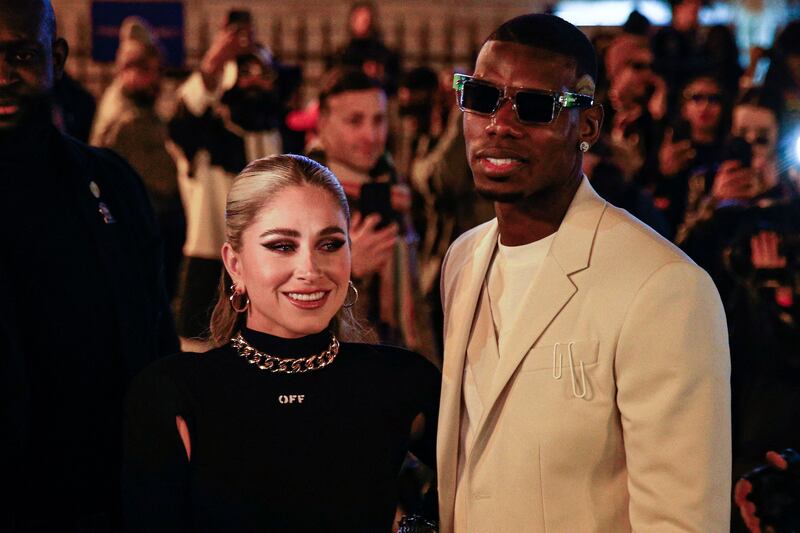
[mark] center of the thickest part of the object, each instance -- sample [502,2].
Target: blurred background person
[723,57]
[634,103]
[229,113]
[690,148]
[353,128]
[365,48]
[678,48]
[127,122]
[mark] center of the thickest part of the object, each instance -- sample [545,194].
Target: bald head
[31,59]
[37,12]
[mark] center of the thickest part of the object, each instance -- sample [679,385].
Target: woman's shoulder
[178,370]
[391,357]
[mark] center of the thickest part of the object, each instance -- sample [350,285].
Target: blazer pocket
[556,357]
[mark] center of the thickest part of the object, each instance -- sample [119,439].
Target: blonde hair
[252,189]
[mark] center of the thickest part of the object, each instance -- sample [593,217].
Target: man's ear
[60,53]
[591,124]
[233,263]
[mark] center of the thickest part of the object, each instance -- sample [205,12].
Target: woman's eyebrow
[287,232]
[332,230]
[284,232]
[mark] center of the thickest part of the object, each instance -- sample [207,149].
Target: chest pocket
[565,360]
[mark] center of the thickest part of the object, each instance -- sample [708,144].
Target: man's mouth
[500,164]
[7,109]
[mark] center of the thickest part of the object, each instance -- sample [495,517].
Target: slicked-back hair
[552,34]
[343,80]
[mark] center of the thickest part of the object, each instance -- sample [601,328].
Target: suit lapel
[467,283]
[570,252]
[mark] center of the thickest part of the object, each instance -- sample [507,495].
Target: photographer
[746,236]
[690,146]
[635,103]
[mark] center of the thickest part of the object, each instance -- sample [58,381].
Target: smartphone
[377,198]
[737,149]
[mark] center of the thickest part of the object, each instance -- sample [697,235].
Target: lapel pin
[94,189]
[108,218]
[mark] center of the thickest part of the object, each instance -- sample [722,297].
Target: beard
[252,110]
[501,197]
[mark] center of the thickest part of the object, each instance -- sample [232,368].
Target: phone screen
[377,198]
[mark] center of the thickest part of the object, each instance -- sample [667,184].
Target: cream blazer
[610,409]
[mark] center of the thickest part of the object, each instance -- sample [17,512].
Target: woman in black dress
[282,427]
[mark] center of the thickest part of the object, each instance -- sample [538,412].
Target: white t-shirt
[511,274]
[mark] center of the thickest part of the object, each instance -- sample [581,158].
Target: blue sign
[166,19]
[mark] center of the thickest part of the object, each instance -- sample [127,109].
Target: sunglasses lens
[535,107]
[478,97]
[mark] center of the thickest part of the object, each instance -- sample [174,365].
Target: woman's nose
[308,266]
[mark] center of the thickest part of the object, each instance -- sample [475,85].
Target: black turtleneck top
[317,451]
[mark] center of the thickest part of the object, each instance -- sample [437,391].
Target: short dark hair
[758,97]
[552,34]
[342,80]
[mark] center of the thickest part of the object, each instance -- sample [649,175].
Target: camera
[776,494]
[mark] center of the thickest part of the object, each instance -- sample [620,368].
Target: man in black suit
[82,301]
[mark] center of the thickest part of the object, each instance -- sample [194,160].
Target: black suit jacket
[130,253]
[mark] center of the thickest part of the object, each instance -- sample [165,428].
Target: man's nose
[504,121]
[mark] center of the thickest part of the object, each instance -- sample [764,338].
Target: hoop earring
[233,295]
[584,146]
[355,298]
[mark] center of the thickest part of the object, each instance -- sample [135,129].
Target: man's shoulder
[622,238]
[463,247]
[100,158]
[470,238]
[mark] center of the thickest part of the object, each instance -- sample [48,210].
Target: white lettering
[291,398]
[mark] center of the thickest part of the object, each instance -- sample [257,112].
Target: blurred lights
[797,147]
[615,12]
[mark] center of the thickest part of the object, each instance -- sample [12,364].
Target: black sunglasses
[532,106]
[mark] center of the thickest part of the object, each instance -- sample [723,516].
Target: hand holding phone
[676,151]
[376,197]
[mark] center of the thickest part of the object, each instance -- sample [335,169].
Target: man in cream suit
[585,381]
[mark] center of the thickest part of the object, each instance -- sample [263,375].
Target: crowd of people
[388,173]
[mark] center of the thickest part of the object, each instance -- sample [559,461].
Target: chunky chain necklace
[286,365]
